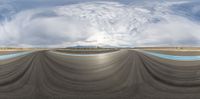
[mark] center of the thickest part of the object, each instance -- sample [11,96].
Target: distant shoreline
[136,48]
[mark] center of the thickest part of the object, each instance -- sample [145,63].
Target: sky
[106,23]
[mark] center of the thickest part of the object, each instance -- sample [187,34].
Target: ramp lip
[173,57]
[13,55]
[68,54]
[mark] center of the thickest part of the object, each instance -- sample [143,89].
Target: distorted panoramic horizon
[99,49]
[104,23]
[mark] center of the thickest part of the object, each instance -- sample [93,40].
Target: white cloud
[99,23]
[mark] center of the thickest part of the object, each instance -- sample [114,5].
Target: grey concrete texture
[125,74]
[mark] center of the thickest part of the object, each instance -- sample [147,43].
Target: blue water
[9,56]
[174,57]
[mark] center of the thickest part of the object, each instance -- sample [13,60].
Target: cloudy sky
[120,23]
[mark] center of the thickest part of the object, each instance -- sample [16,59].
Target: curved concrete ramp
[120,75]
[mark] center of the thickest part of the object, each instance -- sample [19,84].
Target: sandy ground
[8,52]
